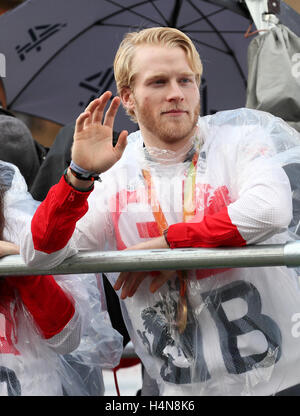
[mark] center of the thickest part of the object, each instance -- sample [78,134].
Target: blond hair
[161,36]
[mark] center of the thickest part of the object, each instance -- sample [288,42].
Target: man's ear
[127,98]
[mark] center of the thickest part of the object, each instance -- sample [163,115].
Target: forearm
[258,214]
[7,248]
[213,231]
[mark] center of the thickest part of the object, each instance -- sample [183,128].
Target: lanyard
[189,211]
[189,196]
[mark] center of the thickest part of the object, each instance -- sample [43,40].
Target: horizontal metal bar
[178,259]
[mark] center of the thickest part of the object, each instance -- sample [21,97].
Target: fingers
[80,121]
[121,143]
[95,110]
[134,284]
[158,281]
[98,110]
[120,280]
[92,108]
[103,99]
[93,104]
[130,282]
[111,112]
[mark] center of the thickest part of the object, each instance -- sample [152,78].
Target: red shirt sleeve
[50,307]
[55,219]
[215,230]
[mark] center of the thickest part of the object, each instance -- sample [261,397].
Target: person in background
[45,319]
[19,147]
[40,171]
[39,319]
[182,181]
[17,143]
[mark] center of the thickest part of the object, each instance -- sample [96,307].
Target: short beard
[174,134]
[165,133]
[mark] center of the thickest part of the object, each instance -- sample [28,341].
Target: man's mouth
[174,111]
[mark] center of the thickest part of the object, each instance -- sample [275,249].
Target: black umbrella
[59,55]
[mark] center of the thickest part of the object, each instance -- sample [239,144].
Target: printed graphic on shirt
[182,355]
[181,360]
[128,206]
[258,330]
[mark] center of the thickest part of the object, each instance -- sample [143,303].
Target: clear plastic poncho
[71,362]
[241,336]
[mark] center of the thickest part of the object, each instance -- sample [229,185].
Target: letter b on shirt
[253,331]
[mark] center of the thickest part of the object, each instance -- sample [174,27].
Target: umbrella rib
[190,31]
[210,24]
[201,18]
[212,31]
[210,46]
[159,12]
[175,13]
[128,9]
[118,25]
[230,51]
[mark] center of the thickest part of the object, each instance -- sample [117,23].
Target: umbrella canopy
[59,55]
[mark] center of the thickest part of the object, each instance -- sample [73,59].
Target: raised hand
[92,148]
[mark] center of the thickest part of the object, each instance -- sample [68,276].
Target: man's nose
[175,92]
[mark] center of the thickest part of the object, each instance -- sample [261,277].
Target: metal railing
[142,260]
[138,260]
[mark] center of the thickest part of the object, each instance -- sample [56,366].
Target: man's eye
[185,80]
[159,81]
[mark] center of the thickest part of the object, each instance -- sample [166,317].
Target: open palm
[92,147]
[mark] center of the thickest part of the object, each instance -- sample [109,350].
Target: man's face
[165,96]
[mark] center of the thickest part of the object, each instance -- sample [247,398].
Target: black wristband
[81,177]
[74,187]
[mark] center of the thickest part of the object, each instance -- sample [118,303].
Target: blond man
[182,181]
